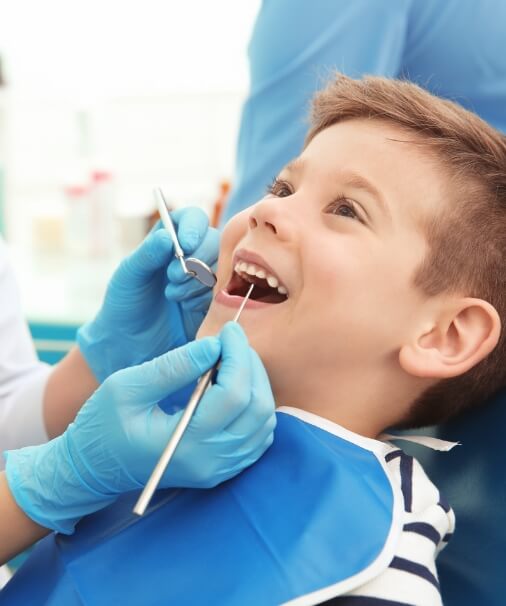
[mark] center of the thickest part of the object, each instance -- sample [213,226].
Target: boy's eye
[280,189]
[343,208]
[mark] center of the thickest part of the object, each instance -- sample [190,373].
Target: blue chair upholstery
[472,477]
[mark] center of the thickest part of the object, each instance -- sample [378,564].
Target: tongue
[267,295]
[262,291]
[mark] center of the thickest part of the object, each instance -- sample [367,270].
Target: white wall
[93,48]
[148,89]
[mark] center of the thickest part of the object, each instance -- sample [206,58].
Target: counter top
[60,289]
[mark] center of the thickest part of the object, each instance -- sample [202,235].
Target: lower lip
[234,301]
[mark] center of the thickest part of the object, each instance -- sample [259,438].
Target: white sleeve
[22,376]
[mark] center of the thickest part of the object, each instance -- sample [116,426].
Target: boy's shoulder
[428,524]
[426,510]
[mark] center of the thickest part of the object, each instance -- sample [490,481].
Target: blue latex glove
[120,433]
[138,320]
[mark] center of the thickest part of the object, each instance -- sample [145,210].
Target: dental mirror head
[202,272]
[192,267]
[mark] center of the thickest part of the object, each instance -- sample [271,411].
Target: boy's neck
[364,403]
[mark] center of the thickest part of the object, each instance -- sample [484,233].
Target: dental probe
[193,402]
[191,266]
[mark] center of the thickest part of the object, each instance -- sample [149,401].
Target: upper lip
[251,257]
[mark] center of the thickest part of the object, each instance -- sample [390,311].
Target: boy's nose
[253,223]
[270,215]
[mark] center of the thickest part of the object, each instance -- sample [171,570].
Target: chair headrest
[472,477]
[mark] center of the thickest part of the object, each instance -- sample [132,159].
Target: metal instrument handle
[157,473]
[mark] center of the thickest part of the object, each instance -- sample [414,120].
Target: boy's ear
[458,340]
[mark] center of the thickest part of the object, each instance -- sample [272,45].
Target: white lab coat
[22,376]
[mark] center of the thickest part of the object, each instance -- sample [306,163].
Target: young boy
[379,258]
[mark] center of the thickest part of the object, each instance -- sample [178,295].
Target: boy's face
[341,231]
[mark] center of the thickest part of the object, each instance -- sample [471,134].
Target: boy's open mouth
[268,288]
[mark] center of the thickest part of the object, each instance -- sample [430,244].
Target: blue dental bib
[315,517]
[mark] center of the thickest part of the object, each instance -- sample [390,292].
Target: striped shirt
[411,579]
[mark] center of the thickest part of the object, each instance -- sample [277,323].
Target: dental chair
[472,477]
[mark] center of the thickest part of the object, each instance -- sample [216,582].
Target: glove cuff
[92,341]
[47,487]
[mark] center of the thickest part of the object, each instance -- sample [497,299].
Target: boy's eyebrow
[349,178]
[357,181]
[295,166]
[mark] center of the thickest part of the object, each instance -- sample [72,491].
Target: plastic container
[219,203]
[78,220]
[102,213]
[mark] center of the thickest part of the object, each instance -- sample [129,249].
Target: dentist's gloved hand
[120,432]
[151,306]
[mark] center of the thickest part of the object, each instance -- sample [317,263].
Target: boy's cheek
[236,227]
[231,235]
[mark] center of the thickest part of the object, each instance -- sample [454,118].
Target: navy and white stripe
[411,579]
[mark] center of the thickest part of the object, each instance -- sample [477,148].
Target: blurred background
[99,102]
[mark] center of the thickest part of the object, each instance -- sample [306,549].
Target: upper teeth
[259,272]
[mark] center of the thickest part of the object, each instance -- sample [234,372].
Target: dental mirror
[202,272]
[192,267]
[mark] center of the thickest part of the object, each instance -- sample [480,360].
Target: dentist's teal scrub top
[453,48]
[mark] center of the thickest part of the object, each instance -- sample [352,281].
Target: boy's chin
[208,328]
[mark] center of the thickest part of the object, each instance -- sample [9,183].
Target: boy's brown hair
[467,242]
